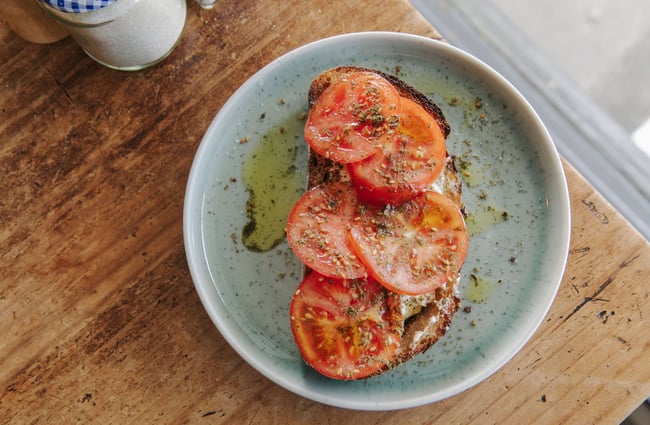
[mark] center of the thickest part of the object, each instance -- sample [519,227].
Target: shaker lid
[78,6]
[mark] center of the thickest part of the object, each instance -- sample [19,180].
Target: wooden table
[99,319]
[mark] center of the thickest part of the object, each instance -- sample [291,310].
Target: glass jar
[122,34]
[206,4]
[29,22]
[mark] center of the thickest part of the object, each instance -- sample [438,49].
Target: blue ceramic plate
[514,190]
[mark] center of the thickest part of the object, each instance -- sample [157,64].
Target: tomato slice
[414,248]
[351,116]
[345,329]
[409,162]
[317,227]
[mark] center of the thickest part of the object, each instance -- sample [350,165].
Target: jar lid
[78,6]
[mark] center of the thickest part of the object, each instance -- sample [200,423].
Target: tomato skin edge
[344,329]
[351,117]
[405,165]
[316,231]
[395,261]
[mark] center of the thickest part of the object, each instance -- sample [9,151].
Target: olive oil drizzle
[481,219]
[480,288]
[274,179]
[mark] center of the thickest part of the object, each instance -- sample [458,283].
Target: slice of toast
[425,318]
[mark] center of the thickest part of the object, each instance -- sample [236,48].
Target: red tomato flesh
[351,117]
[317,227]
[414,248]
[345,329]
[409,162]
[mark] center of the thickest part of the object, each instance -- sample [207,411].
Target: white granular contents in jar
[128,33]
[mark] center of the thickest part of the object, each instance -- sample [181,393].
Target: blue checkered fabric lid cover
[78,6]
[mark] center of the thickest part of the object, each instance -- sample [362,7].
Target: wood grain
[99,320]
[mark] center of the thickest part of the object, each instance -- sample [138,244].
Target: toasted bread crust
[429,325]
[328,77]
[426,327]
